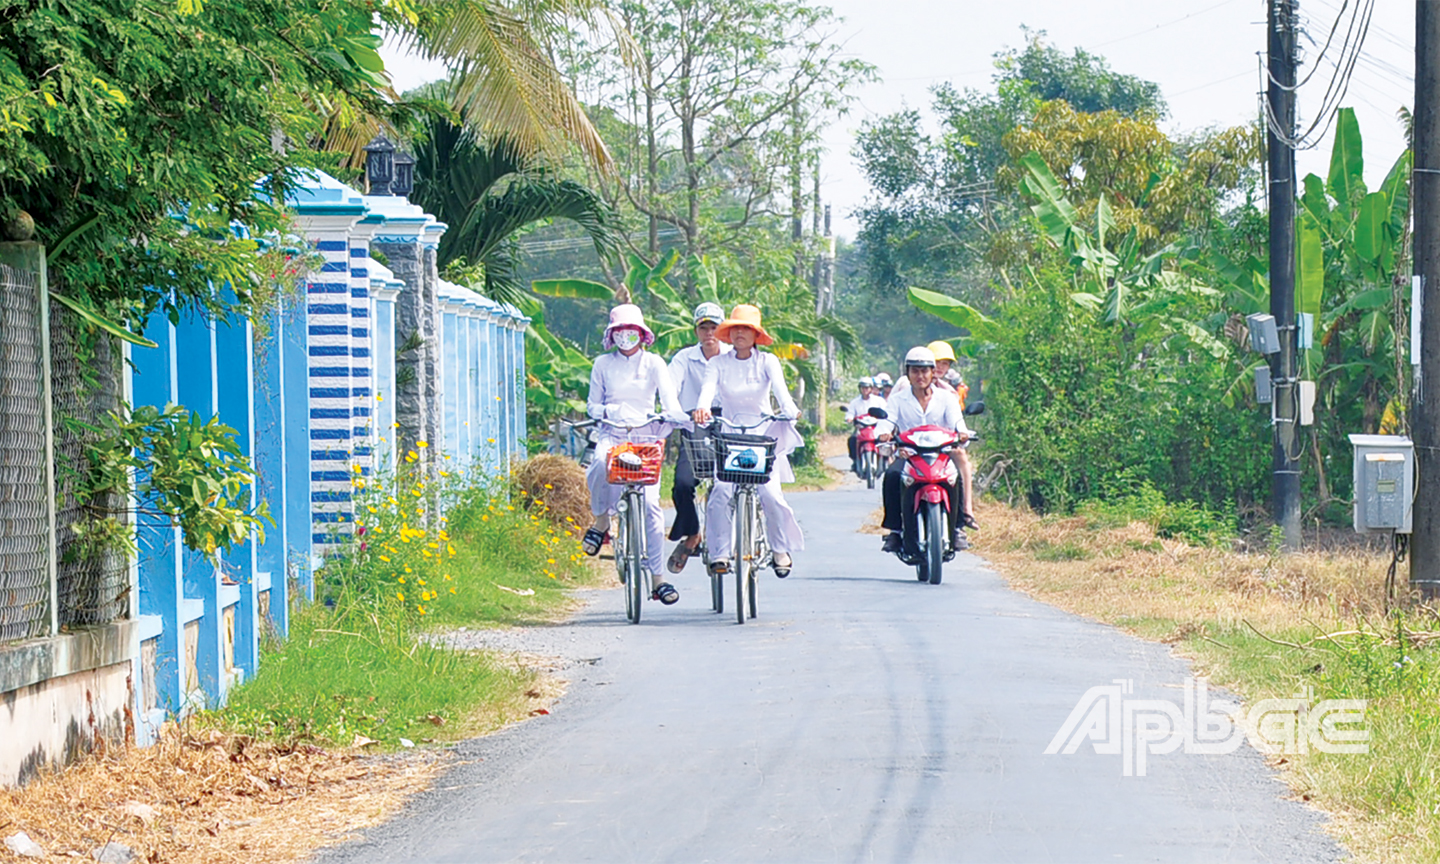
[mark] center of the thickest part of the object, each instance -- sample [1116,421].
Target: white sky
[1202,53]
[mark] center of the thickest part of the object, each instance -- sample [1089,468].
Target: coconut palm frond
[505,86]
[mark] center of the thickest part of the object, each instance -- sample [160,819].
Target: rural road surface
[862,717]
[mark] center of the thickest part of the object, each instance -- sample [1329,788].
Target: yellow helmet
[942,350]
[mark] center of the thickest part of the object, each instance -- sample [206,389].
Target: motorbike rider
[742,383]
[625,384]
[869,398]
[687,370]
[946,376]
[920,404]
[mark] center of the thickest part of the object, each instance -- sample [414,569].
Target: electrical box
[1384,476]
[1264,335]
[1264,392]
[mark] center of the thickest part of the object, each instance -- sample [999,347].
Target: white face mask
[626,339]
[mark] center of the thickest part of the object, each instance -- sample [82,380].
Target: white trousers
[604,497]
[781,529]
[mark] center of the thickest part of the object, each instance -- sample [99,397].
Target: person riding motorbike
[624,386]
[868,398]
[920,404]
[742,384]
[687,370]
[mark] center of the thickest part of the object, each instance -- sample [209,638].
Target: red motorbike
[929,476]
[867,457]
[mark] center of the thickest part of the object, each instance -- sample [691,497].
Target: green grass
[811,476]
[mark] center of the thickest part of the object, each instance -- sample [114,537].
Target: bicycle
[746,461]
[634,464]
[700,448]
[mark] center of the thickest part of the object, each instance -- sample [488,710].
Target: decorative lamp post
[404,182]
[380,165]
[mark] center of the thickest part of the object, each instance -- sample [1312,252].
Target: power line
[1147,31]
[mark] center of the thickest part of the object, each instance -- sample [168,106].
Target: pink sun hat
[627,315]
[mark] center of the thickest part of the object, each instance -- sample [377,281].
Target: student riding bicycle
[624,387]
[742,384]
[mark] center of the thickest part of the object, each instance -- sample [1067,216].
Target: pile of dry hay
[206,797]
[556,484]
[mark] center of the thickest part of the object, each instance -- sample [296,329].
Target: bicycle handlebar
[716,419]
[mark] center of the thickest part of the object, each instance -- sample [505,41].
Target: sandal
[593,540]
[781,570]
[719,568]
[968,521]
[678,558]
[666,593]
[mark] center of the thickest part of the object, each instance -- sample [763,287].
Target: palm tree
[486,191]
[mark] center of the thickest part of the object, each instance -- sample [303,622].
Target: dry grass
[1131,577]
[558,482]
[208,797]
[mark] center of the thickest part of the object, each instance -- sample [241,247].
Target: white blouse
[744,389]
[625,389]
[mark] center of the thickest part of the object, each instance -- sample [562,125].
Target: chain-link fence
[24,486]
[92,580]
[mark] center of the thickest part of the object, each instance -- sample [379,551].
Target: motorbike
[868,466]
[929,476]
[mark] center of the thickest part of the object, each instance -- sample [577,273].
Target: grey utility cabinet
[1384,482]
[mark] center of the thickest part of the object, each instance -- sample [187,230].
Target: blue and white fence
[315,401]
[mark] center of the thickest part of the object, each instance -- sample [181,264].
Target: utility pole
[1425,192]
[1285,493]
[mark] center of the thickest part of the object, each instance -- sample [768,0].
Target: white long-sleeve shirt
[687,370]
[861,404]
[626,389]
[743,389]
[943,410]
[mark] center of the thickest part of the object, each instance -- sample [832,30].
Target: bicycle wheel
[717,593]
[934,541]
[634,554]
[762,557]
[741,521]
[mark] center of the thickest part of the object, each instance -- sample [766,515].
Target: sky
[1202,53]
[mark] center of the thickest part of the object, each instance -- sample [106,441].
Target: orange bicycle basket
[635,462]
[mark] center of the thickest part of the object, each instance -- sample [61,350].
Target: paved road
[862,717]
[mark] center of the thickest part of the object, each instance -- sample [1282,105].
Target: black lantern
[380,165]
[404,182]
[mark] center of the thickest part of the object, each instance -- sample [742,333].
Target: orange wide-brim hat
[744,315]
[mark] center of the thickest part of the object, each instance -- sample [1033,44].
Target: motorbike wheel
[935,541]
[870,470]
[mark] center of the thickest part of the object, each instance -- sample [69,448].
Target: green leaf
[1371,299]
[1347,163]
[1314,200]
[1371,242]
[95,319]
[1104,220]
[1397,191]
[583,288]
[952,311]
[1309,266]
[1056,215]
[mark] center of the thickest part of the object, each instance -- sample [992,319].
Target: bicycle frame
[750,548]
[629,537]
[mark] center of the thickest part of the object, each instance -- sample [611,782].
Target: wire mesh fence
[24,486]
[92,582]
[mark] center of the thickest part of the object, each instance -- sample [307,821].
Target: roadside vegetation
[1265,625]
[358,668]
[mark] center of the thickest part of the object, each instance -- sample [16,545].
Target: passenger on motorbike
[742,384]
[947,378]
[624,387]
[883,385]
[868,398]
[687,370]
[920,404]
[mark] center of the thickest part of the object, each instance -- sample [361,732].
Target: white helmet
[920,356]
[867,382]
[882,380]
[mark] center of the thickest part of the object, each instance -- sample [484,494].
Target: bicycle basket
[635,462]
[701,450]
[744,458]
